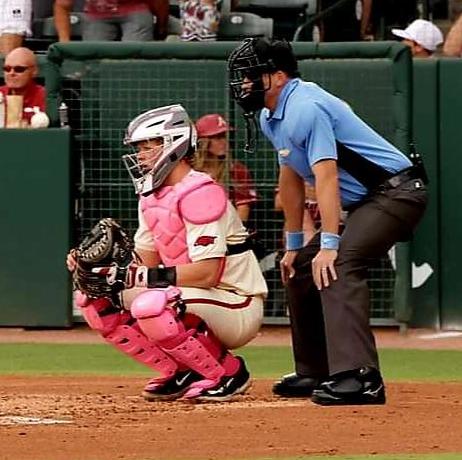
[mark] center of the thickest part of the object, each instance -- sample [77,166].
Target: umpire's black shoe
[295,386]
[362,386]
[170,389]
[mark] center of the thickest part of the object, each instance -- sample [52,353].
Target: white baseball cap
[424,33]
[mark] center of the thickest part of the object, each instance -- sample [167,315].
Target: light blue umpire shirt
[304,129]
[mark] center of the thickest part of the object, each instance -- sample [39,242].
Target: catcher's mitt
[107,245]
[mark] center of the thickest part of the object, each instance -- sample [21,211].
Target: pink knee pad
[159,322]
[156,317]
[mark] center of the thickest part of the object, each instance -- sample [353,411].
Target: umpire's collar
[290,86]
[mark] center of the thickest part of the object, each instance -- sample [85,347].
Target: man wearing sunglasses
[19,71]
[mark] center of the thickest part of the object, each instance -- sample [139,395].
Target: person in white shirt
[15,24]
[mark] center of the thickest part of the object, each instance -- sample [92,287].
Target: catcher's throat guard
[107,244]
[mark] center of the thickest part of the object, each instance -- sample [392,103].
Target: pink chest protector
[197,199]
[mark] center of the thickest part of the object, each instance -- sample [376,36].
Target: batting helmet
[172,126]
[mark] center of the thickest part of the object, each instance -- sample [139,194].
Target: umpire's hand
[286,264]
[323,267]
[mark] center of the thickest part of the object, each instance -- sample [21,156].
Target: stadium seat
[43,29]
[49,29]
[174,25]
[287,15]
[239,25]
[308,5]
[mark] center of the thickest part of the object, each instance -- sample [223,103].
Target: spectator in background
[19,71]
[199,20]
[453,44]
[15,23]
[107,20]
[422,36]
[213,158]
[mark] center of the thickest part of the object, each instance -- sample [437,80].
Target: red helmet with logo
[211,125]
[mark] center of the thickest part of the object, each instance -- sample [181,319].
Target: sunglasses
[15,68]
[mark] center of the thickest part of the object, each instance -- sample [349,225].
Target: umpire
[319,139]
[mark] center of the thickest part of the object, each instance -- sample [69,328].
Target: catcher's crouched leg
[120,329]
[158,320]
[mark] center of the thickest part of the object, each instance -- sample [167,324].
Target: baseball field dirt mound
[94,418]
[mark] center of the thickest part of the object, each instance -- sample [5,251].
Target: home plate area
[105,418]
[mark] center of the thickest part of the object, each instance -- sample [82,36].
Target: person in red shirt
[107,20]
[19,71]
[213,157]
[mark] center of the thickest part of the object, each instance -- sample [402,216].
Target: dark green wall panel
[425,248]
[451,191]
[35,228]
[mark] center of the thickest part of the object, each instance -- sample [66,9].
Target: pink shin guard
[158,320]
[115,327]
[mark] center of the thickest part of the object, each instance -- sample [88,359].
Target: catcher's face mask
[159,139]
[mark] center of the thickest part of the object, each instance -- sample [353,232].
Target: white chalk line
[441,335]
[10,420]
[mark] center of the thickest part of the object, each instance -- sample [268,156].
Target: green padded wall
[451,191]
[106,86]
[426,243]
[35,230]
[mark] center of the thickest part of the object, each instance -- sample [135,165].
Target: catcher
[194,290]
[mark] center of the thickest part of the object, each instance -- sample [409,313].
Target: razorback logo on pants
[205,241]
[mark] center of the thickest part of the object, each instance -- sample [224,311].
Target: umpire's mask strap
[251,133]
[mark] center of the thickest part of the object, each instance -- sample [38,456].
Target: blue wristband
[294,240]
[330,241]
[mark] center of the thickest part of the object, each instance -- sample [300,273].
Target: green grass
[264,362]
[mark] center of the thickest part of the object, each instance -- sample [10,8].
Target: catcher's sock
[231,364]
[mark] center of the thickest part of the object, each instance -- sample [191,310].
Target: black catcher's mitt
[107,245]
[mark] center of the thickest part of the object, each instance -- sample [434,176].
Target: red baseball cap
[211,125]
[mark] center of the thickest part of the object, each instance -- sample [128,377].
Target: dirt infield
[105,419]
[78,418]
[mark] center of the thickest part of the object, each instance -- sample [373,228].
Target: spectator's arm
[62,10]
[453,44]
[160,9]
[366,20]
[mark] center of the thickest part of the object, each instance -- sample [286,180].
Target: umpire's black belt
[406,175]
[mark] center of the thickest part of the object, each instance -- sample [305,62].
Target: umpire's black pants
[330,328]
